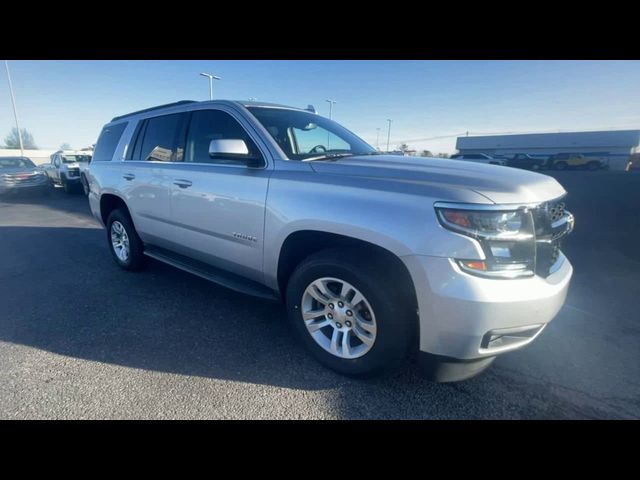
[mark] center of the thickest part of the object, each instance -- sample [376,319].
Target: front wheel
[85,185]
[68,187]
[124,243]
[351,313]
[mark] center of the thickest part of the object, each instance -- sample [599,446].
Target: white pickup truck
[67,168]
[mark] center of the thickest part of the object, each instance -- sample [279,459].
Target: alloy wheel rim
[120,241]
[339,318]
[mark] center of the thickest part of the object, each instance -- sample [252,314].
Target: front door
[219,203]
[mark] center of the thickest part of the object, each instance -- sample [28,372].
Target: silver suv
[378,258]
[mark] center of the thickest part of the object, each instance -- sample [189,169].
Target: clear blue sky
[69,101]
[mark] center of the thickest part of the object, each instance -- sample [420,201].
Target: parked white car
[377,257]
[479,158]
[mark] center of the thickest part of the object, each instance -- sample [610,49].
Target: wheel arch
[300,244]
[110,202]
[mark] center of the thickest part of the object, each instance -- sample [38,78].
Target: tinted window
[159,140]
[207,125]
[107,142]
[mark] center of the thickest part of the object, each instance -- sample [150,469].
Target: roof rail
[181,102]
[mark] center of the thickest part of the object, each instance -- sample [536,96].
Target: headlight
[507,238]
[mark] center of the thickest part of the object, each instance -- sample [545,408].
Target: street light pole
[388,133]
[377,139]
[331,103]
[15,111]
[211,79]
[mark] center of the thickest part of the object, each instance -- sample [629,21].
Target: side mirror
[234,149]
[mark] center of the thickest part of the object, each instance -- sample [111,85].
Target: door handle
[128,176]
[182,183]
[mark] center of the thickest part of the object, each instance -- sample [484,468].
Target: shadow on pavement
[61,292]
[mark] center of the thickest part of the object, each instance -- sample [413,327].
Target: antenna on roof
[311,108]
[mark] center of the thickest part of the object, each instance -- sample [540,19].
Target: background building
[613,147]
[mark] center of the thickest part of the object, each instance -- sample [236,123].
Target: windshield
[75,158]
[305,135]
[16,162]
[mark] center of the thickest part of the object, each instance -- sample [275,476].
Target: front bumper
[13,187]
[465,317]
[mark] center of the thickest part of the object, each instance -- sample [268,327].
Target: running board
[213,274]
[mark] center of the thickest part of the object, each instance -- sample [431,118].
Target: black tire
[136,258]
[394,310]
[68,188]
[85,185]
[593,166]
[561,165]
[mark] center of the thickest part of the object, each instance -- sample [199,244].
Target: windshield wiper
[331,156]
[328,156]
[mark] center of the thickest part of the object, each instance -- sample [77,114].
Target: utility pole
[211,79]
[331,103]
[388,133]
[15,111]
[377,139]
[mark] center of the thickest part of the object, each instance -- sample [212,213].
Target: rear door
[218,204]
[145,181]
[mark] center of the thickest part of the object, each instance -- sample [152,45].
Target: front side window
[303,135]
[208,125]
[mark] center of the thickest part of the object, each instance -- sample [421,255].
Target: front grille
[549,234]
[22,180]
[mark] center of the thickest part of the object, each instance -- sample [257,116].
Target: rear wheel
[351,313]
[124,243]
[561,166]
[593,166]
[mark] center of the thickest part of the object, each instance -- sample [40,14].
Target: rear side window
[159,138]
[107,142]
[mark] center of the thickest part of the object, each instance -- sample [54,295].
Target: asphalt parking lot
[80,338]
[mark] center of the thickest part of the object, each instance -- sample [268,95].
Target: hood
[497,183]
[19,170]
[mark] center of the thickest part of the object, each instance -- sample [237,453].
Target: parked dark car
[21,174]
[526,161]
